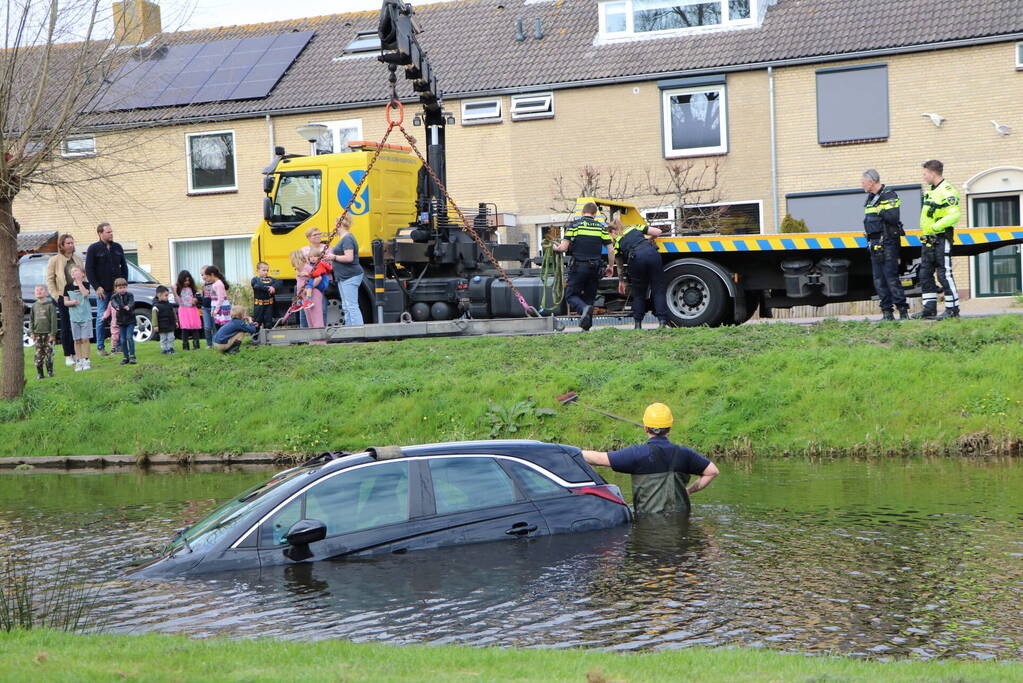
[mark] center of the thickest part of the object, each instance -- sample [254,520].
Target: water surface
[915,557]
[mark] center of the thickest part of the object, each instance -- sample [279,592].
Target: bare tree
[613,183]
[55,71]
[690,187]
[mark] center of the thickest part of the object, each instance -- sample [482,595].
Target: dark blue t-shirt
[642,460]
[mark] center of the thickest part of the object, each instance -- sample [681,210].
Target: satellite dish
[312,131]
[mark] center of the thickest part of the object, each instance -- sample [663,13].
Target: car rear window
[469,484]
[32,272]
[535,484]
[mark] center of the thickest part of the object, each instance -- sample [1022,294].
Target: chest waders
[661,491]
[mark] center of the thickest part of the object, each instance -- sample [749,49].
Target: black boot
[951,312]
[39,371]
[49,368]
[930,312]
[888,315]
[637,325]
[586,320]
[904,313]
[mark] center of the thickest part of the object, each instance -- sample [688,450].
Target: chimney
[136,21]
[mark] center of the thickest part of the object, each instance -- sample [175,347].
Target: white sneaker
[79,365]
[88,364]
[69,361]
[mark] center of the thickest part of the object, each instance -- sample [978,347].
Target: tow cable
[552,269]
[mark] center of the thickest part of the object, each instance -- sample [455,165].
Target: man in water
[660,469]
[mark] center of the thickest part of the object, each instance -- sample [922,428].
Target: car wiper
[180,533]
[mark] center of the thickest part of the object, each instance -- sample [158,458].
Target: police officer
[584,241]
[884,231]
[646,272]
[660,469]
[938,216]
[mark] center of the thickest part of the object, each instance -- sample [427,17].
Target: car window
[469,484]
[136,274]
[362,498]
[535,485]
[33,272]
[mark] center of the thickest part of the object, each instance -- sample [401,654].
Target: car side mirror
[306,531]
[268,184]
[268,209]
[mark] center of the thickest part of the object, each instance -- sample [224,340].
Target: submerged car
[396,500]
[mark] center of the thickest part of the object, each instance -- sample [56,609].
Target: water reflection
[909,558]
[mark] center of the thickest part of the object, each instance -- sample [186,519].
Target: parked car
[32,271]
[397,500]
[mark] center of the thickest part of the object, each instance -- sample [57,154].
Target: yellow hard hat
[657,416]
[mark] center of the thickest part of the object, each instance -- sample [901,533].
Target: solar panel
[239,69]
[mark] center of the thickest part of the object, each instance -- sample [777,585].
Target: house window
[211,162]
[335,139]
[481,110]
[79,146]
[636,17]
[842,210]
[695,121]
[364,41]
[532,106]
[852,104]
[1019,55]
[232,255]
[723,218]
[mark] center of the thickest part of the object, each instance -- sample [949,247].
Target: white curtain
[238,260]
[192,256]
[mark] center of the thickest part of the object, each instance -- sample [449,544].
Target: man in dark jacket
[883,227]
[104,263]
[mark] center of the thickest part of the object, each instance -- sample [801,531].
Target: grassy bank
[833,388]
[50,656]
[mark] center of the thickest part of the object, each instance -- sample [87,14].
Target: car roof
[555,458]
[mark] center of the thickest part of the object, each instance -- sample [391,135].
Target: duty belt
[262,302]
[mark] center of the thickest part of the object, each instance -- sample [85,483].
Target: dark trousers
[127,342]
[884,263]
[208,326]
[64,321]
[194,335]
[936,260]
[264,315]
[646,277]
[583,280]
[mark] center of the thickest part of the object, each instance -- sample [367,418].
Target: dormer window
[624,18]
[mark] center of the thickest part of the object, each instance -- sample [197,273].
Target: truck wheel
[696,296]
[143,325]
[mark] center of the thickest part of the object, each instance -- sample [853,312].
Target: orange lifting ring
[401,113]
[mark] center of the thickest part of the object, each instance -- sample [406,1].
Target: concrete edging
[155,460]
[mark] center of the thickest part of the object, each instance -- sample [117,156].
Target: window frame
[470,119]
[73,155]
[1019,56]
[630,27]
[348,50]
[192,190]
[335,133]
[671,153]
[546,113]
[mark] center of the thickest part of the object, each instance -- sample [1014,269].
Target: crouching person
[229,338]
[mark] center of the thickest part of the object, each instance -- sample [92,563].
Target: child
[220,305]
[115,334]
[123,302]
[312,286]
[164,320]
[264,289]
[208,328]
[42,320]
[76,301]
[189,319]
[228,338]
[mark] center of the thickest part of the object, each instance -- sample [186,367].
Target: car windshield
[136,274]
[208,530]
[32,272]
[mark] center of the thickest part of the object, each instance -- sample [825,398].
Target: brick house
[785,101]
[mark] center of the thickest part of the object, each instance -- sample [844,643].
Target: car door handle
[521,529]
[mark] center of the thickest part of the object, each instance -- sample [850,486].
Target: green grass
[830,389]
[51,656]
